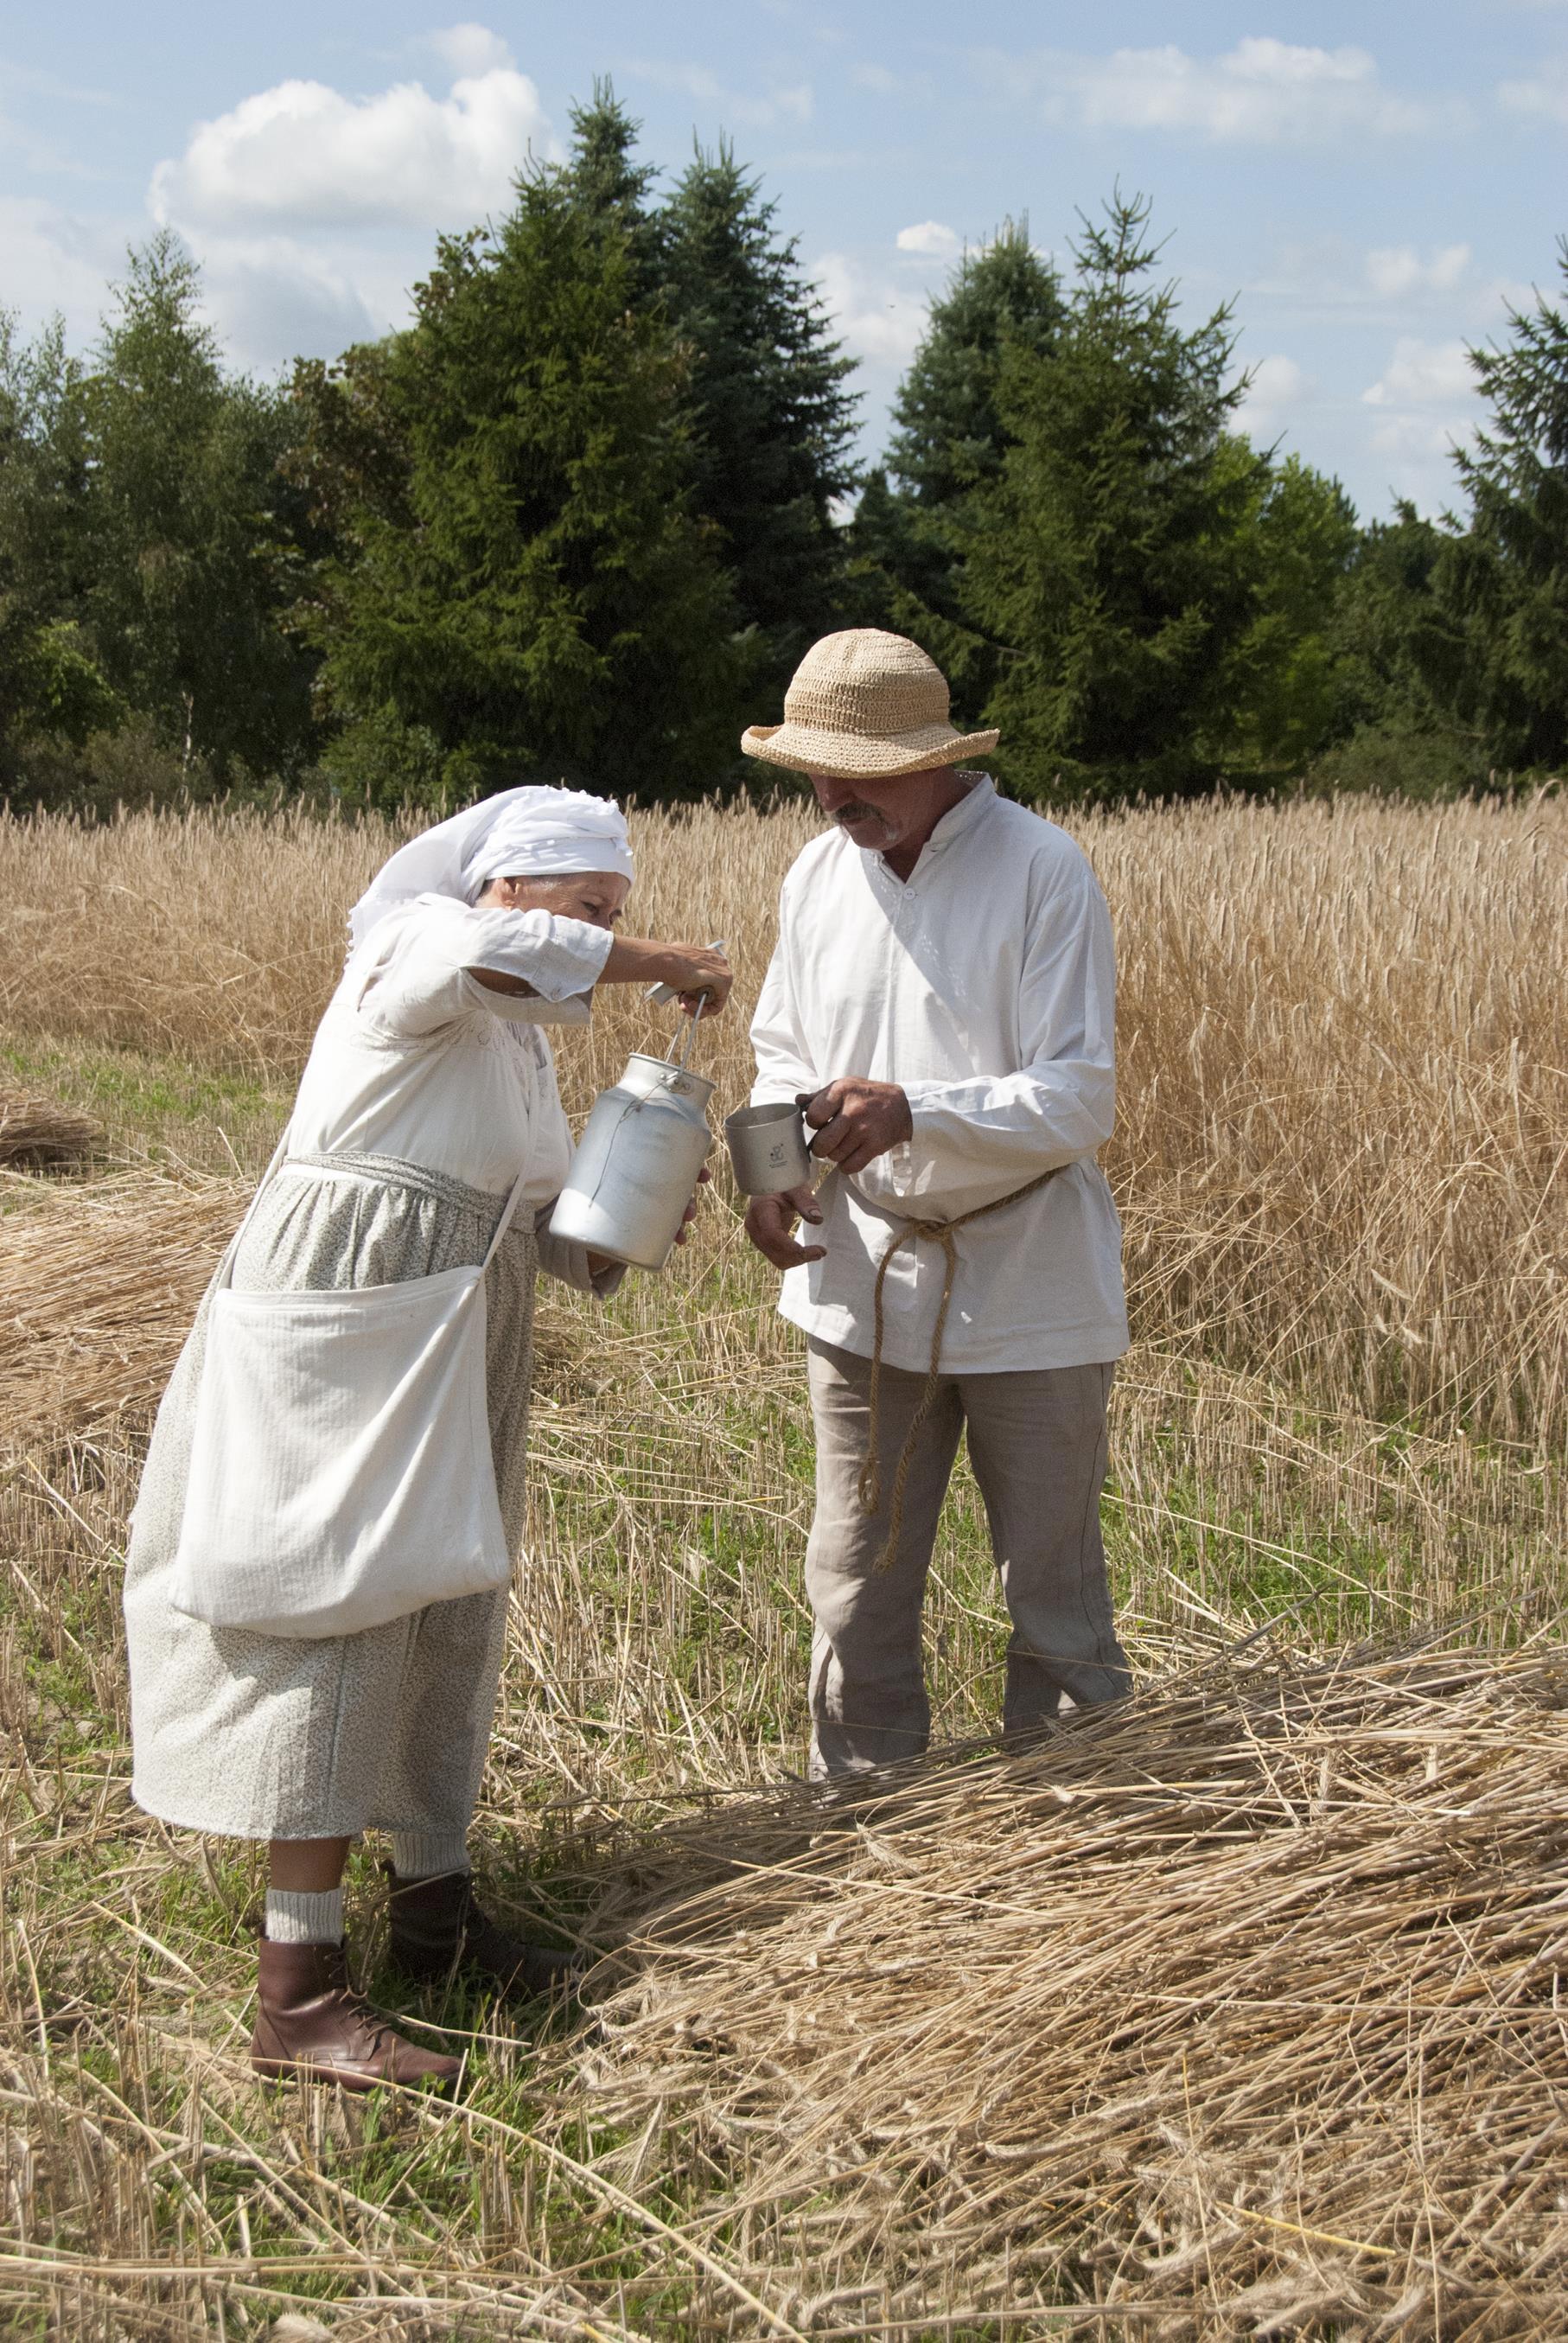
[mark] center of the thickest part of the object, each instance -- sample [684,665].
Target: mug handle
[803,1100]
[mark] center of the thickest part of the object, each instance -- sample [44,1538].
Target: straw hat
[865,702]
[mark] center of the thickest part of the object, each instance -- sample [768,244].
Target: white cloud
[930,237]
[469,50]
[1425,398]
[270,298]
[55,261]
[794,103]
[1278,384]
[273,298]
[310,211]
[303,154]
[877,321]
[1421,372]
[1263,92]
[1396,269]
[1546,94]
[884,82]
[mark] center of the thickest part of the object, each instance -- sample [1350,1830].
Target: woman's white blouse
[415,1059]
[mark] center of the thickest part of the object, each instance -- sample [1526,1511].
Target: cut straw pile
[99,1291]
[39,1134]
[1242,2013]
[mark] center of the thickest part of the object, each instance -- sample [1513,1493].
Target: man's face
[877,813]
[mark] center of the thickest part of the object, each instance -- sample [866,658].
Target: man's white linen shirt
[984,985]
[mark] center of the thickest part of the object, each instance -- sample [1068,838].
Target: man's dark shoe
[310,2022]
[437,1926]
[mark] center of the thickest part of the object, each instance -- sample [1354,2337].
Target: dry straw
[39,1134]
[100,1289]
[1239,2013]
[1344,1043]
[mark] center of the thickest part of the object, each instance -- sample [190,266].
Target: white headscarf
[522,833]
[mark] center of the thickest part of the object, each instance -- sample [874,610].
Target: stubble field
[1237,2014]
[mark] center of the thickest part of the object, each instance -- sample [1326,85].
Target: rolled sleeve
[1028,1123]
[427,979]
[561,959]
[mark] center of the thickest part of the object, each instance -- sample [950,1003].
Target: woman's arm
[692,968]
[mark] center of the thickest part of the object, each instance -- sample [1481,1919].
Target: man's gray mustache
[857,813]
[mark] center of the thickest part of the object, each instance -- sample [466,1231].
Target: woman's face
[596,897]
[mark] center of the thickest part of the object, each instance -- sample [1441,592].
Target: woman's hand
[697,971]
[703,980]
[690,1214]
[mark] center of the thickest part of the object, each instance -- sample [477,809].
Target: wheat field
[828,2083]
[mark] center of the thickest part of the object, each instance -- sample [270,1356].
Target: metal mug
[767,1148]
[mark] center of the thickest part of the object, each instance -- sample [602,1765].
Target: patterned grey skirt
[264,1736]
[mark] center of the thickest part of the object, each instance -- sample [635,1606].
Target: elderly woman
[429,1097]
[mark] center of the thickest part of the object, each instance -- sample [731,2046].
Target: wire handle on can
[692,1023]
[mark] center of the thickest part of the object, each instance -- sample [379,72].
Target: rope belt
[940,1232]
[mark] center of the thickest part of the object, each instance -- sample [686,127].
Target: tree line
[580,518]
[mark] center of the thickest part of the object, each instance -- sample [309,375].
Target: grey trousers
[1037,1445]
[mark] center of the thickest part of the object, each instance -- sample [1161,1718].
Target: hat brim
[806,749]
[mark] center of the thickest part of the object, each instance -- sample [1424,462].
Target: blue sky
[1371,184]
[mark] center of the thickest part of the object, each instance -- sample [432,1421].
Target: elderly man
[943,993]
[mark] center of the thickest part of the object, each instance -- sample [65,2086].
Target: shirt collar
[956,823]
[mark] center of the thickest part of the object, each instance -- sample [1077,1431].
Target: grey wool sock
[294,1917]
[422,1854]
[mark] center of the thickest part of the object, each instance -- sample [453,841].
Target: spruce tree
[520,587]
[147,544]
[915,518]
[1287,695]
[52,686]
[1110,557]
[603,177]
[952,433]
[192,539]
[1503,584]
[1398,655]
[772,417]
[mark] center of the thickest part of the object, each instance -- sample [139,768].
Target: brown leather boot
[437,1927]
[310,2022]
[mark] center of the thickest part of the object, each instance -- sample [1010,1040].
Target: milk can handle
[691,1025]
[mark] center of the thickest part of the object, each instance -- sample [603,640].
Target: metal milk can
[637,1164]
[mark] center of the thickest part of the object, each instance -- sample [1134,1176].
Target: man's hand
[856,1122]
[768,1221]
